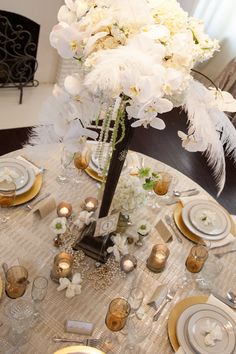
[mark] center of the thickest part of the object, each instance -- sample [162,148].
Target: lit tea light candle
[64,209]
[90,204]
[157,260]
[62,266]
[128,263]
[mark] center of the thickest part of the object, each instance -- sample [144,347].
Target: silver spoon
[192,191]
[231,296]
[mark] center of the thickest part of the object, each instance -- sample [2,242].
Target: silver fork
[170,223]
[169,297]
[219,255]
[92,341]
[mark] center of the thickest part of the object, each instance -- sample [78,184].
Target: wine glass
[135,299]
[38,292]
[7,197]
[138,330]
[67,166]
[81,162]
[117,314]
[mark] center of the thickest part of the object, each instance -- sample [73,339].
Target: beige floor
[13,115]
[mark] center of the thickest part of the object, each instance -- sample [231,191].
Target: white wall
[44,12]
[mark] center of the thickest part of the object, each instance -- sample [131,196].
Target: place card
[158,296]
[163,231]
[106,225]
[45,207]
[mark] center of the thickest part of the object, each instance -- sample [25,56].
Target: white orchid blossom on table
[139,56]
[59,225]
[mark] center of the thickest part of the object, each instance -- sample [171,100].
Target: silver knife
[175,200]
[224,300]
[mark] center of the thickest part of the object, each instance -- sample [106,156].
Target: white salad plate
[29,171]
[197,331]
[204,205]
[182,328]
[22,174]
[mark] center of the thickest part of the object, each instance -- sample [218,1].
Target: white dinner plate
[31,176]
[218,223]
[79,349]
[22,174]
[197,334]
[185,216]
[183,322]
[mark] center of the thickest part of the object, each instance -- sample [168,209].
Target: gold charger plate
[79,349]
[175,314]
[186,232]
[30,194]
[93,174]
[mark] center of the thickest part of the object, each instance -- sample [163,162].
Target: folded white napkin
[214,244]
[212,300]
[36,170]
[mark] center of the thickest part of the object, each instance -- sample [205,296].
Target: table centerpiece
[135,61]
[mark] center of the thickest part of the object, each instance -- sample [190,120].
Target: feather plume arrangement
[210,128]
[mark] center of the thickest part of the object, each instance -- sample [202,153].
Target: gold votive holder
[128,263]
[157,260]
[196,258]
[62,266]
[90,204]
[64,209]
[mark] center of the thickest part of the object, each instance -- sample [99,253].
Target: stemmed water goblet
[67,166]
[117,314]
[138,330]
[135,299]
[7,197]
[38,293]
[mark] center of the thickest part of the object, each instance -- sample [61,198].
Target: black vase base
[93,247]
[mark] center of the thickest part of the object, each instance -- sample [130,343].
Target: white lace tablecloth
[30,240]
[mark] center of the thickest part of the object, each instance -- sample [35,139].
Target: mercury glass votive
[90,204]
[62,266]
[157,260]
[128,263]
[64,209]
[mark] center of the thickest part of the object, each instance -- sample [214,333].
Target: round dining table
[28,240]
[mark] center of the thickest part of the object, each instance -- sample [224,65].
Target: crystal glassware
[67,166]
[7,197]
[20,314]
[138,330]
[135,298]
[81,162]
[16,281]
[116,317]
[38,292]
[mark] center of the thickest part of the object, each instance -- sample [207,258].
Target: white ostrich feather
[209,124]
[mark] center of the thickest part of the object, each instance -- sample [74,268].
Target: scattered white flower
[212,332]
[143,227]
[84,218]
[120,246]
[190,143]
[8,175]
[58,225]
[72,287]
[224,100]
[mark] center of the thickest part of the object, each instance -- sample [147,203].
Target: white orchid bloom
[72,287]
[65,15]
[147,113]
[58,225]
[191,143]
[120,246]
[81,8]
[173,81]
[156,32]
[67,40]
[8,175]
[86,217]
[224,100]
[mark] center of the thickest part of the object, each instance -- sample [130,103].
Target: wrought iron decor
[18,49]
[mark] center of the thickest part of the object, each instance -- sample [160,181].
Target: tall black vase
[96,247]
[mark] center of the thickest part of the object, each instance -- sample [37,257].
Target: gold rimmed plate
[79,349]
[93,174]
[186,232]
[30,194]
[176,312]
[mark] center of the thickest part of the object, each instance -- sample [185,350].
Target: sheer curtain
[219,17]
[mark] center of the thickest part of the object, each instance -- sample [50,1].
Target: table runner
[29,239]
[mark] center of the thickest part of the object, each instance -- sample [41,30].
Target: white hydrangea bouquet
[135,59]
